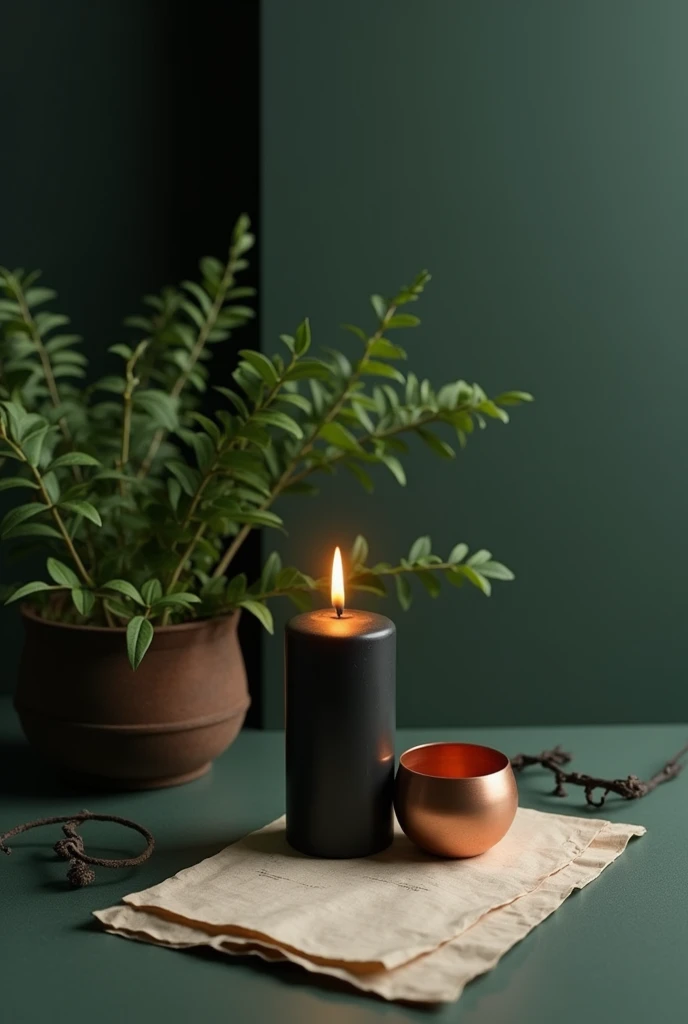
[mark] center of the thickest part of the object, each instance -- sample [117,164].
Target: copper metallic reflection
[455,799]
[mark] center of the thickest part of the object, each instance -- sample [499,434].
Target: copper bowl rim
[454,778]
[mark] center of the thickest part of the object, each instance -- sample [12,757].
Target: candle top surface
[352,625]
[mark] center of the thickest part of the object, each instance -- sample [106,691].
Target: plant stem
[264,404]
[59,522]
[288,475]
[43,356]
[377,436]
[204,331]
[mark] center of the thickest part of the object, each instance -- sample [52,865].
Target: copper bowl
[455,799]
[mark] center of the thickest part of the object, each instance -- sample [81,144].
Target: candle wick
[338,608]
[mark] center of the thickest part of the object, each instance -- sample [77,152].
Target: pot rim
[29,612]
[506,766]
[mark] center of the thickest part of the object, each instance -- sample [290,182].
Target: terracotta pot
[81,705]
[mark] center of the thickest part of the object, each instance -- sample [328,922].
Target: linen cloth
[402,924]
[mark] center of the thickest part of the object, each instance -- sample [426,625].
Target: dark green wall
[534,156]
[126,152]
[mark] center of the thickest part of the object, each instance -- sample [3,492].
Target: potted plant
[139,489]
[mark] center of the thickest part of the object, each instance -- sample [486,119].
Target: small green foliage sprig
[145,483]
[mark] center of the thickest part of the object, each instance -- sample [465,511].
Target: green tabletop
[618,948]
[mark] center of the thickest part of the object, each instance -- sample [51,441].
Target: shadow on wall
[126,205]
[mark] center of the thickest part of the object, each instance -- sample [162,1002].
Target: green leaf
[384,349]
[306,369]
[455,578]
[476,578]
[404,593]
[9,482]
[61,341]
[261,364]
[261,517]
[298,400]
[32,445]
[352,329]
[336,434]
[437,445]
[403,320]
[302,338]
[203,447]
[369,583]
[236,400]
[236,588]
[62,574]
[121,350]
[395,468]
[151,591]
[261,612]
[35,296]
[211,428]
[27,589]
[272,567]
[302,599]
[113,385]
[429,581]
[85,509]
[496,571]
[202,297]
[364,478]
[212,269]
[359,551]
[51,486]
[371,368]
[183,600]
[379,306]
[479,557]
[83,600]
[126,588]
[420,548]
[19,515]
[279,419]
[458,554]
[514,398]
[174,492]
[187,477]
[493,411]
[32,530]
[161,407]
[74,459]
[139,636]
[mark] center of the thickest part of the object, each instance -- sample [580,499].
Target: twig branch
[630,788]
[50,507]
[203,333]
[288,476]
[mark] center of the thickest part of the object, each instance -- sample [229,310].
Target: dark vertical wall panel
[129,145]
[534,156]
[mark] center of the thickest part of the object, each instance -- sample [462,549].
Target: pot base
[83,708]
[137,784]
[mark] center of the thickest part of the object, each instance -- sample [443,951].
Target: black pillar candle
[340,718]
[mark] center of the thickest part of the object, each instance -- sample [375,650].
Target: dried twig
[630,788]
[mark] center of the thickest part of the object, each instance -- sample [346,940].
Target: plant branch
[43,355]
[288,476]
[630,788]
[379,435]
[264,404]
[54,511]
[204,331]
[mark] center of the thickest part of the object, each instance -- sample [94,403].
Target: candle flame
[337,590]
